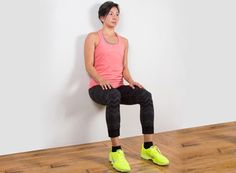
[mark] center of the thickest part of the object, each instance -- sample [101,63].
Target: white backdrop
[182,51]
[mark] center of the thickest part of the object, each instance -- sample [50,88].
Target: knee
[145,97]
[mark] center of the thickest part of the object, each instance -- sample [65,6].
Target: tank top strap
[100,35]
[102,39]
[121,41]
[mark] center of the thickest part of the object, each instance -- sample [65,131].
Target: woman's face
[112,18]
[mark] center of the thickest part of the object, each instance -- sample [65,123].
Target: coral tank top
[108,61]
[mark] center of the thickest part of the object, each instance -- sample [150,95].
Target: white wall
[183,52]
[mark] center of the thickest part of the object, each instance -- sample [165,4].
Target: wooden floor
[206,149]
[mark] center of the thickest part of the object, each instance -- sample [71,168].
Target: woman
[106,62]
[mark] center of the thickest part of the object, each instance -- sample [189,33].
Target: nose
[114,16]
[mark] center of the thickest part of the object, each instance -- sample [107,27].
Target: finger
[135,84]
[105,86]
[102,87]
[139,85]
[108,86]
[132,86]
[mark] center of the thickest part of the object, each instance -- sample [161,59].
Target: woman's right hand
[105,84]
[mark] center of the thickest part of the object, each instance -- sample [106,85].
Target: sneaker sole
[149,158]
[118,169]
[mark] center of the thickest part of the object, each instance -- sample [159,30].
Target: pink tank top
[108,61]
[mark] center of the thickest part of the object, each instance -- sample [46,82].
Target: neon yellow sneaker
[118,161]
[153,153]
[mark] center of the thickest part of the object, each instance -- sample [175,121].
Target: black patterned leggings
[124,94]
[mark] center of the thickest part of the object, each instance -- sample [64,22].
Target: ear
[102,18]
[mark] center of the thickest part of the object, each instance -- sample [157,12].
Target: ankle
[115,148]
[148,144]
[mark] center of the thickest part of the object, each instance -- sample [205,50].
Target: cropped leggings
[126,95]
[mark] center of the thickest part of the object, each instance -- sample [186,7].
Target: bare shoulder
[92,36]
[125,40]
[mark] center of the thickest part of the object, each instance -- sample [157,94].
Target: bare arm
[126,73]
[89,47]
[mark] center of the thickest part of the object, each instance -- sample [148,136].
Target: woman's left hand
[133,83]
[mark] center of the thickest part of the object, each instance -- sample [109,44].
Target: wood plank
[204,149]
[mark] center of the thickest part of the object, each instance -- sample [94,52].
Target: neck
[108,31]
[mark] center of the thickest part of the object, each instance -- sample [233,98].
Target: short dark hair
[106,7]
